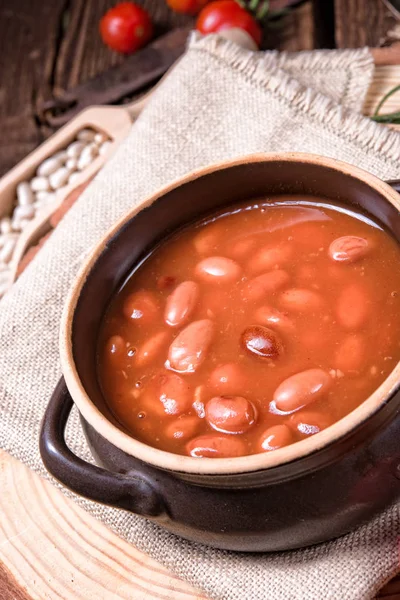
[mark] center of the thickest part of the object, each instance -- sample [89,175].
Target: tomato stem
[253,5]
[262,11]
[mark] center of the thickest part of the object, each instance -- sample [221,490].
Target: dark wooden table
[50,46]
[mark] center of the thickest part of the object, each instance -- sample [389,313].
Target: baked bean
[267,315]
[242,248]
[183,428]
[189,348]
[275,437]
[350,355]
[230,414]
[302,389]
[228,379]
[174,393]
[264,285]
[348,249]
[307,422]
[218,269]
[146,353]
[181,303]
[268,323]
[353,306]
[215,446]
[207,239]
[301,300]
[141,306]
[115,345]
[262,342]
[270,257]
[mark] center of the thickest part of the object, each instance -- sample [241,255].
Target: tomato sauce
[253,329]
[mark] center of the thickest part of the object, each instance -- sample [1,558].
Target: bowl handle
[131,491]
[395,184]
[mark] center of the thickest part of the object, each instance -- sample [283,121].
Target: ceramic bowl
[308,492]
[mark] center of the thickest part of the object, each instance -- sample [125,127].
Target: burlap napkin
[219,102]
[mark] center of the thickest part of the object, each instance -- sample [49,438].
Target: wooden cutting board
[51,549]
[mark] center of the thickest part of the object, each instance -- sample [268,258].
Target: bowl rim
[215,466]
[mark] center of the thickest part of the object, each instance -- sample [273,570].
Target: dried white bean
[59,178]
[41,196]
[24,193]
[23,223]
[104,147]
[71,164]
[16,224]
[99,138]
[5,225]
[74,149]
[24,212]
[88,155]
[40,184]
[39,205]
[86,135]
[60,156]
[50,198]
[7,250]
[49,166]
[73,177]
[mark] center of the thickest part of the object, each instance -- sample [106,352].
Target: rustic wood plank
[28,41]
[385,79]
[9,587]
[324,23]
[82,54]
[361,23]
[50,548]
[55,45]
[294,32]
[79,60]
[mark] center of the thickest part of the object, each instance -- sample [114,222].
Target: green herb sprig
[393,117]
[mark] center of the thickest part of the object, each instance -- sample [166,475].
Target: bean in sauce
[253,329]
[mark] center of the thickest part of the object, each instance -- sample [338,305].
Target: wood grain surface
[361,23]
[51,549]
[49,46]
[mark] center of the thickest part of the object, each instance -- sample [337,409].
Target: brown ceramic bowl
[308,492]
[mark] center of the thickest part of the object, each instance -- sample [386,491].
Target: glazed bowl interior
[130,240]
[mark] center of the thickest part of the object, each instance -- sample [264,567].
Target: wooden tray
[50,548]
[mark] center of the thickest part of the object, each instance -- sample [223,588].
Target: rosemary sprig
[393,117]
[261,10]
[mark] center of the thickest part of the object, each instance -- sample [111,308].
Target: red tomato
[126,27]
[228,14]
[187,7]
